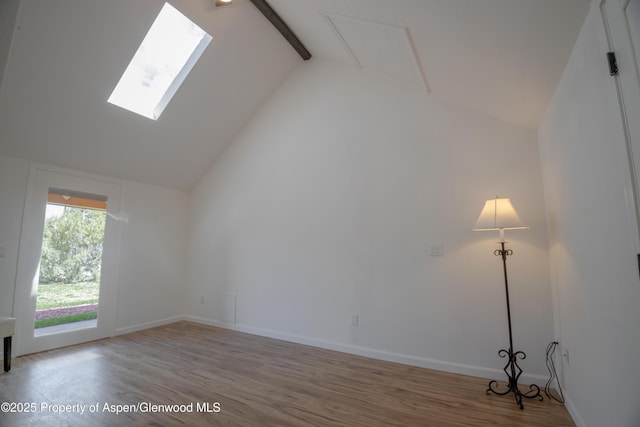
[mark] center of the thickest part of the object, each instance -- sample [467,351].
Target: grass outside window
[57,295]
[66,295]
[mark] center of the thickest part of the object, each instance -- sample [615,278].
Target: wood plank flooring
[254,381]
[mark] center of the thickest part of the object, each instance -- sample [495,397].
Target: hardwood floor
[253,381]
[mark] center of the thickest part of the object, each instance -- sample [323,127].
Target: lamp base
[513,372]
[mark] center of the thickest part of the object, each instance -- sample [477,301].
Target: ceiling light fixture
[224,3]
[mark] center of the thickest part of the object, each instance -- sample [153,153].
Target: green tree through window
[72,246]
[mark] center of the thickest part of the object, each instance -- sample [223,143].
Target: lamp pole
[512,369]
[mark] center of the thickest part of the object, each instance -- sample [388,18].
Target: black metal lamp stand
[512,369]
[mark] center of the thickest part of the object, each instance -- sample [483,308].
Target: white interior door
[622,20]
[41,180]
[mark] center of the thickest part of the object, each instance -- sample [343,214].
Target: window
[166,55]
[68,289]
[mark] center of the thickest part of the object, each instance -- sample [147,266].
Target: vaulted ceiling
[501,57]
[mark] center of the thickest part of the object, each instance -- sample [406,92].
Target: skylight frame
[154,76]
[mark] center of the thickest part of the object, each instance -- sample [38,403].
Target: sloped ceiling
[500,57]
[68,55]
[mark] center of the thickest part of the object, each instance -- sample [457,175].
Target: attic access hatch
[164,59]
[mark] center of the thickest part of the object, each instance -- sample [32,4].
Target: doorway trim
[41,178]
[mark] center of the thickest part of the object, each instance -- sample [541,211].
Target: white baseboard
[439,365]
[148,325]
[571,408]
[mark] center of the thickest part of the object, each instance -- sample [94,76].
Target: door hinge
[613,63]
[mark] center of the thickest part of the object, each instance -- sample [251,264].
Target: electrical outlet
[201,299]
[566,355]
[354,320]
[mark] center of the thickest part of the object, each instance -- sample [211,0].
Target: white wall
[13,186]
[326,206]
[593,238]
[8,14]
[152,257]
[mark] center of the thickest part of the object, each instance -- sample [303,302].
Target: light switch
[436,250]
[2,252]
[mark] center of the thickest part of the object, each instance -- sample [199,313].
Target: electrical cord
[551,348]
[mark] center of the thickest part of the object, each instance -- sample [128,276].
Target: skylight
[164,59]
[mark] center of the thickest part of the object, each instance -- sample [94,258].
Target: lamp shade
[498,214]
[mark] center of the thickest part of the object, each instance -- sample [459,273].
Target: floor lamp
[499,214]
